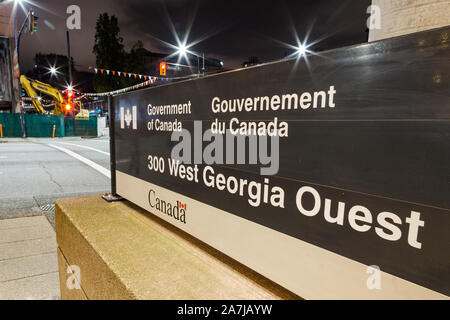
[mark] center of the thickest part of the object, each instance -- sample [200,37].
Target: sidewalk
[28,260]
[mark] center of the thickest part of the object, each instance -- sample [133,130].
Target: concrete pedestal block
[119,251]
[400,17]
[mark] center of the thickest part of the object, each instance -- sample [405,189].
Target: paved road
[36,172]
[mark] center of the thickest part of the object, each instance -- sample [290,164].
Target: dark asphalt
[33,174]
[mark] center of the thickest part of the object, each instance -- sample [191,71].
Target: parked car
[96,113]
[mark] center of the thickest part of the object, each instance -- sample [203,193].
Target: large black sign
[364,154]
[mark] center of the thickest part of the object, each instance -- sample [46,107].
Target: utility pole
[17,41]
[30,23]
[70,59]
[198,66]
[203,68]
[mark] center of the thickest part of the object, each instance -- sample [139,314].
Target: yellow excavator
[30,86]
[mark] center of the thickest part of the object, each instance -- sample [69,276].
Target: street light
[182,50]
[301,49]
[53,71]
[20,3]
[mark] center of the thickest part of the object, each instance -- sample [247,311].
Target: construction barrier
[10,125]
[81,127]
[47,126]
[41,126]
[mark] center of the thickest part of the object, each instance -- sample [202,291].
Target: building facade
[400,17]
[9,86]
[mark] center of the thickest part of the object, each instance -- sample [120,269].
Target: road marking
[88,162]
[48,207]
[85,147]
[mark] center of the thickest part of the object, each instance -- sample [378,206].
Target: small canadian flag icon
[128,117]
[182,206]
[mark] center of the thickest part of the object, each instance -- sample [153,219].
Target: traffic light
[163,69]
[33,22]
[69,92]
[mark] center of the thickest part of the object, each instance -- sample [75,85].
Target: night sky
[233,30]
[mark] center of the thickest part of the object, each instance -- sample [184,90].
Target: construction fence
[47,126]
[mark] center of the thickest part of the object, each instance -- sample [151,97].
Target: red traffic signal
[163,69]
[70,94]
